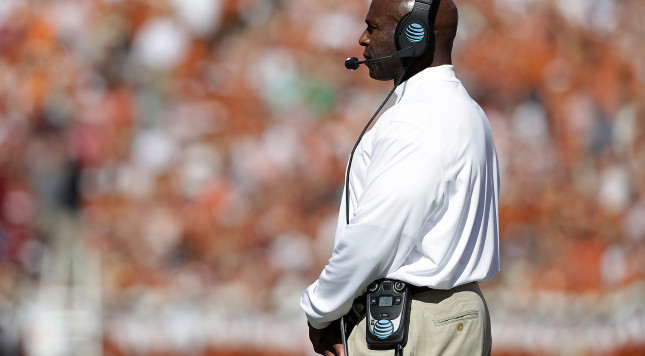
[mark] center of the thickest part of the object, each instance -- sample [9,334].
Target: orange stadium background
[170,171]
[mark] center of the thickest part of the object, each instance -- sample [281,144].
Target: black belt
[418,290]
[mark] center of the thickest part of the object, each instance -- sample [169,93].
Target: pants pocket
[457,318]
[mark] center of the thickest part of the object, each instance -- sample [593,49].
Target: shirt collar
[425,78]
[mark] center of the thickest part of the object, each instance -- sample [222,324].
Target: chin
[380,77]
[377,75]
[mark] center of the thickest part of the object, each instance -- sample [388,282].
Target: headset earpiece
[399,29]
[415,29]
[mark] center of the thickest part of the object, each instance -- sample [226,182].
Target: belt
[418,290]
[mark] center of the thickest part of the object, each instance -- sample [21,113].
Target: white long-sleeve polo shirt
[424,189]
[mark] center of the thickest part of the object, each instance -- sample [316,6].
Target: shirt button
[460,326]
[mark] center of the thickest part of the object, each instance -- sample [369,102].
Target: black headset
[415,31]
[412,37]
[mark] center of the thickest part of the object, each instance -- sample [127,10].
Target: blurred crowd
[193,152]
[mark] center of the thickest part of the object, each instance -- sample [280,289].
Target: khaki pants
[450,322]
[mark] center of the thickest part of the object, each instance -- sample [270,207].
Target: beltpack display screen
[385,301]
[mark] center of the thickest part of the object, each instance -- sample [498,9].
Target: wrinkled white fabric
[424,189]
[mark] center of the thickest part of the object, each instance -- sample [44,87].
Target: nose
[364,40]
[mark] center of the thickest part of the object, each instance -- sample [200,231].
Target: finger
[340,350]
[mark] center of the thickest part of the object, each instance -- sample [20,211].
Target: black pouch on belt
[388,305]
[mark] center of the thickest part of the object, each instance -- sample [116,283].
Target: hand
[336,350]
[315,336]
[327,341]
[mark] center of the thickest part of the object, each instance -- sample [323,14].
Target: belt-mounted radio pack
[388,314]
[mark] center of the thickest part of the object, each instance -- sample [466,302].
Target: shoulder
[440,109]
[443,118]
[438,100]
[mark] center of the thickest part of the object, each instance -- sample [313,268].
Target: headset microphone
[352,63]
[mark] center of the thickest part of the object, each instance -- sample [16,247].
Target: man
[423,202]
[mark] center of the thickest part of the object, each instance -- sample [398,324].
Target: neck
[418,65]
[430,59]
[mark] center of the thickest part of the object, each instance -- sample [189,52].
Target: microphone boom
[352,63]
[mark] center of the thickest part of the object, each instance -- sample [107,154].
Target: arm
[403,188]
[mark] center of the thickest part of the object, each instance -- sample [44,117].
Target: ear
[415,30]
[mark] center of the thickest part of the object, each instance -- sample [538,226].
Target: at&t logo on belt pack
[388,314]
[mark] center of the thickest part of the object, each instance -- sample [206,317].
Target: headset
[416,29]
[413,35]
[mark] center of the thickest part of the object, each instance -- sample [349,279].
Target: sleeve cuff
[317,324]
